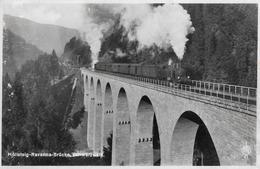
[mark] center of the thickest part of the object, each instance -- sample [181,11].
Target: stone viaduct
[150,126]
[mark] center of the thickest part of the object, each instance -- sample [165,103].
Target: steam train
[173,73]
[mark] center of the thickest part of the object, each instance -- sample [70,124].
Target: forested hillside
[16,51]
[45,37]
[34,109]
[43,112]
[43,109]
[224,45]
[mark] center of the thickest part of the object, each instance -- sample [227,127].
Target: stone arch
[91,115]
[147,147]
[108,115]
[191,142]
[98,117]
[123,130]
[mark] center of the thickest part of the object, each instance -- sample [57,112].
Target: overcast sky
[68,15]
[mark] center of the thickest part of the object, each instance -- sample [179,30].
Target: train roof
[106,63]
[137,64]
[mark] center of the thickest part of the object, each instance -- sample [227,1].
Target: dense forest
[223,47]
[31,120]
[35,108]
[42,110]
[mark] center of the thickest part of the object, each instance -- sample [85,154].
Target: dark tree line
[224,45]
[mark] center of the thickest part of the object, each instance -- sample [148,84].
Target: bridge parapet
[228,90]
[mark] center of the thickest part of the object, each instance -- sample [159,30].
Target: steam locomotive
[173,73]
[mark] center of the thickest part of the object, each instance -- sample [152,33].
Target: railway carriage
[133,69]
[172,73]
[124,68]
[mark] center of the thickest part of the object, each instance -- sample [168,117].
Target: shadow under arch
[123,130]
[108,114]
[108,125]
[191,143]
[86,84]
[147,148]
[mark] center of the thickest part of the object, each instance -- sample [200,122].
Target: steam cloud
[165,26]
[93,36]
[100,19]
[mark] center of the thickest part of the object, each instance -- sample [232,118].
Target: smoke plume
[99,19]
[165,26]
[94,36]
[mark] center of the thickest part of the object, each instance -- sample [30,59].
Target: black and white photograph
[164,83]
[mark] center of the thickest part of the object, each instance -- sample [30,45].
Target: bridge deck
[243,104]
